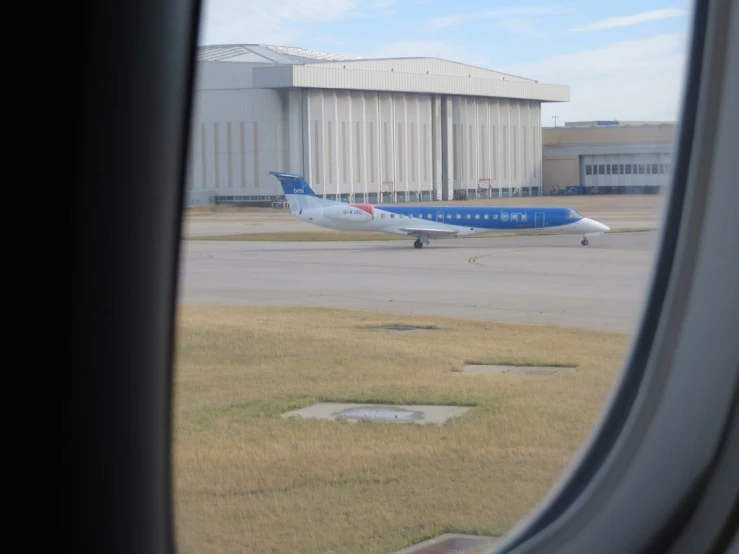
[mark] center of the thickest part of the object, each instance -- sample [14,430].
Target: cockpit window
[572,214]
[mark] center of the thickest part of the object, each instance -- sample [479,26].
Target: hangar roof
[262,53]
[291,67]
[292,55]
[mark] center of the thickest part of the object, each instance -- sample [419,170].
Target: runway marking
[473,260]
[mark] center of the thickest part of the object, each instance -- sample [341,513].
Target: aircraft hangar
[371,130]
[608,157]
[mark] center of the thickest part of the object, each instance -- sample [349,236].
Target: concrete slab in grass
[532,371]
[377,412]
[451,543]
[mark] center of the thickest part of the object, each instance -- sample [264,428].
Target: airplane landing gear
[584,241]
[418,244]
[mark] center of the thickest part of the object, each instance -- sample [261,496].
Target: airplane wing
[430,232]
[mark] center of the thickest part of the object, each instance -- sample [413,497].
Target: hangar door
[631,172]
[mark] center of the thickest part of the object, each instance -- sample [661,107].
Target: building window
[621,169]
[641,169]
[602,169]
[614,169]
[655,169]
[588,169]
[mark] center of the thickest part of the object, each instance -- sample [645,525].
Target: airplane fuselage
[463,220]
[431,222]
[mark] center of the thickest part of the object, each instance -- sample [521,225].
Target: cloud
[447,20]
[629,20]
[283,22]
[629,80]
[382,3]
[523,27]
[509,13]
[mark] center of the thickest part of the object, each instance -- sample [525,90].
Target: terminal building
[608,157]
[371,130]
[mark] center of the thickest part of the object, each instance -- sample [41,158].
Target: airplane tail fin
[298,193]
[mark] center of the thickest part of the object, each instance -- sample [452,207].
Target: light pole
[555,119]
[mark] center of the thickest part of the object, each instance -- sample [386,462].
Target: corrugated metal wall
[367,143]
[359,145]
[431,66]
[238,136]
[497,145]
[331,76]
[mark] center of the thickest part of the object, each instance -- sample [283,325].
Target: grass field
[247,480]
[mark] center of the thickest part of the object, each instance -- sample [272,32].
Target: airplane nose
[597,226]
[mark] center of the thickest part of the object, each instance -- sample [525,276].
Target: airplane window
[328,354]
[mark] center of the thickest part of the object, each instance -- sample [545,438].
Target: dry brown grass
[247,480]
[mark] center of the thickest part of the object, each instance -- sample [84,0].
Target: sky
[622,59]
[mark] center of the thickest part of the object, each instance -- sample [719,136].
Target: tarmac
[544,280]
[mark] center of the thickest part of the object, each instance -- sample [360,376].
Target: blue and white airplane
[432,222]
